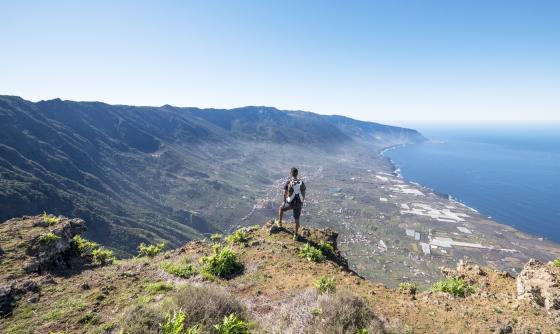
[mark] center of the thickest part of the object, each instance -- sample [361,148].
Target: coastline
[396,171]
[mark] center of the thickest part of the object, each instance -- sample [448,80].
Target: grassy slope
[273,282]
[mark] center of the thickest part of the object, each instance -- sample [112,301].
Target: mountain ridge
[149,173]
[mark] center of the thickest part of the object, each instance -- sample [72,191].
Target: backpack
[295,187]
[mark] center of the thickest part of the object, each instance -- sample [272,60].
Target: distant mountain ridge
[114,165]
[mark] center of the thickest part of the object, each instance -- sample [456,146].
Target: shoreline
[396,171]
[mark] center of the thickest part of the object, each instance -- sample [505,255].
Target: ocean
[507,171]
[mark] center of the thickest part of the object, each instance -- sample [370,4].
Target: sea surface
[507,171]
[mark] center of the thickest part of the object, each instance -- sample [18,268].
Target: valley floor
[393,230]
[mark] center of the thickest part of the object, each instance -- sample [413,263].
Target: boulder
[540,284]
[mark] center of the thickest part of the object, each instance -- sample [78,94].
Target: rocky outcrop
[464,270]
[317,237]
[540,284]
[58,251]
[313,235]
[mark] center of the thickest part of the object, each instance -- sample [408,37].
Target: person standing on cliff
[293,198]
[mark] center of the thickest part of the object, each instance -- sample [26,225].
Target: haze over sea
[508,171]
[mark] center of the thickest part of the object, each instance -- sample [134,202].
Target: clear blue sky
[373,60]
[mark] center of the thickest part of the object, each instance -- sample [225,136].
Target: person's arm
[285,192]
[302,190]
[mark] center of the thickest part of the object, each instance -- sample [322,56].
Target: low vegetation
[141,318]
[222,263]
[50,219]
[232,324]
[454,286]
[49,238]
[182,268]
[311,253]
[102,256]
[150,250]
[343,312]
[83,246]
[188,310]
[159,287]
[407,287]
[325,284]
[239,236]
[326,249]
[556,262]
[174,323]
[216,238]
[92,251]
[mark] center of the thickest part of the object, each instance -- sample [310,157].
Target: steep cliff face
[268,281]
[139,174]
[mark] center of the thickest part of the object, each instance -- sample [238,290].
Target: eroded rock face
[56,253]
[540,283]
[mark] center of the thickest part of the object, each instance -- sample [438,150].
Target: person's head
[294,172]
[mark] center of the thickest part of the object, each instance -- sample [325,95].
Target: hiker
[294,196]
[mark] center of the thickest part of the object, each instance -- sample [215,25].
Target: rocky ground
[50,285]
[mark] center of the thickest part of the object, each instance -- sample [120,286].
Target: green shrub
[50,219]
[232,324]
[362,331]
[311,253]
[325,284]
[239,236]
[223,263]
[159,287]
[181,269]
[196,329]
[49,238]
[91,250]
[556,262]
[455,286]
[150,250]
[102,256]
[84,246]
[326,249]
[407,287]
[174,323]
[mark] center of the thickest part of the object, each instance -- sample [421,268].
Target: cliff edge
[256,280]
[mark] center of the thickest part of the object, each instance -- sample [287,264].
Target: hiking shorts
[296,206]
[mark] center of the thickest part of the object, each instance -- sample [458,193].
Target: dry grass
[312,312]
[141,319]
[206,305]
[343,312]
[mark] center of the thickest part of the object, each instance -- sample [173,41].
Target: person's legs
[297,213]
[280,215]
